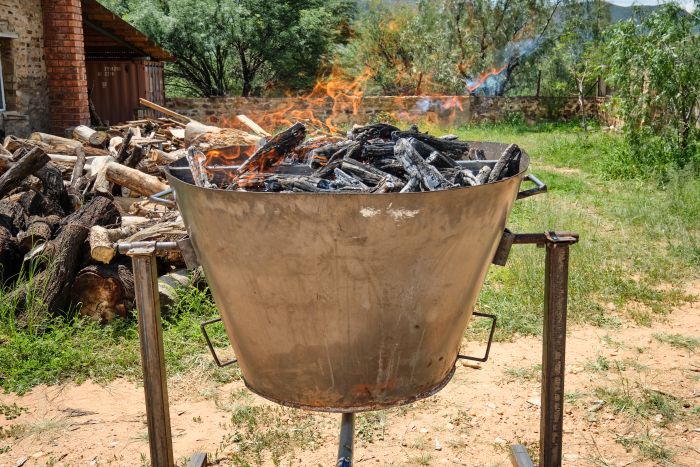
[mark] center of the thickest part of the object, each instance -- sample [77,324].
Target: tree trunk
[27,165]
[10,256]
[48,291]
[104,291]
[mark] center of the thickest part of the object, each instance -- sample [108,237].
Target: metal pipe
[156,246]
[347,435]
[554,351]
[152,356]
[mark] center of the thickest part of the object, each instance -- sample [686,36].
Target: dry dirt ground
[651,416]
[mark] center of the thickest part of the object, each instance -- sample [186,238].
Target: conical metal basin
[346,302]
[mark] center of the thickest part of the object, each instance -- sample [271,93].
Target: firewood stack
[65,202]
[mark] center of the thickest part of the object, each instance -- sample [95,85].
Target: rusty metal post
[152,356]
[556,289]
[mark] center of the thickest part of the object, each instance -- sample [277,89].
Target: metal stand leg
[556,289]
[347,435]
[553,352]
[152,357]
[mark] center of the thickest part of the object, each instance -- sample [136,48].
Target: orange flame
[483,77]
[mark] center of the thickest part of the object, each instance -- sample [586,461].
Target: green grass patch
[679,341]
[261,433]
[72,348]
[527,373]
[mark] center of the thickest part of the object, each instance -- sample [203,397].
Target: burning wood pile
[65,202]
[378,158]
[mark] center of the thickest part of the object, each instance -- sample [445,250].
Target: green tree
[654,67]
[245,46]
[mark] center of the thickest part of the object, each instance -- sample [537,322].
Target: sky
[687,4]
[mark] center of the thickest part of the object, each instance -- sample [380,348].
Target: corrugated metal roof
[126,40]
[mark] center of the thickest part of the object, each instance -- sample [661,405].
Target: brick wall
[24,71]
[65,64]
[456,110]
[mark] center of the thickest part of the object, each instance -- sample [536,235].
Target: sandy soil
[470,422]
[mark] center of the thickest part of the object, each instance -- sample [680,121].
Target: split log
[195,129]
[438,159]
[104,291]
[39,230]
[124,150]
[10,255]
[257,129]
[376,130]
[413,184]
[163,110]
[166,158]
[508,164]
[456,149]
[58,144]
[273,152]
[27,165]
[135,180]
[98,170]
[78,168]
[102,241]
[416,166]
[483,175]
[364,172]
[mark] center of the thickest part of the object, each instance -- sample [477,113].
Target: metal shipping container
[116,86]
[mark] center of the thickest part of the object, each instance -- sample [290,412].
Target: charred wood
[508,164]
[416,166]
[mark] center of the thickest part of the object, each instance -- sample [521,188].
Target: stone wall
[24,70]
[455,110]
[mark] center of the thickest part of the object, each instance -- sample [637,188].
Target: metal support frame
[152,357]
[155,384]
[347,440]
[553,351]
[556,289]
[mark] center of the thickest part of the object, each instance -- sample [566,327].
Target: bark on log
[5,162]
[10,255]
[104,291]
[50,289]
[134,180]
[27,165]
[12,216]
[58,144]
[78,168]
[39,230]
[53,187]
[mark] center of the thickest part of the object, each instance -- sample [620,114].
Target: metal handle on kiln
[203,327]
[488,345]
[540,187]
[158,198]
